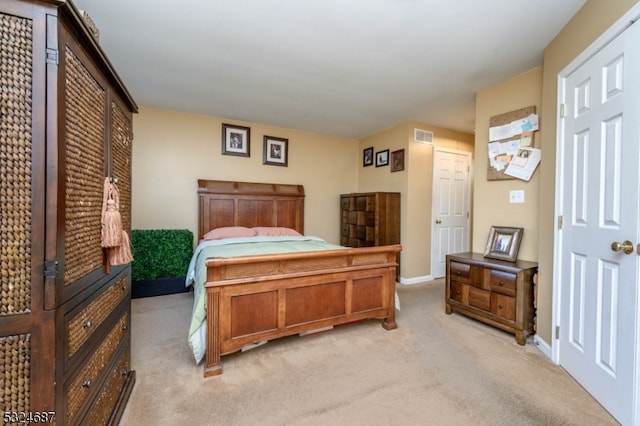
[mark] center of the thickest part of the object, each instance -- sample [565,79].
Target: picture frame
[397,160]
[275,151]
[503,243]
[367,157]
[236,140]
[382,158]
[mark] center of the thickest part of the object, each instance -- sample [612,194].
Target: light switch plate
[516,197]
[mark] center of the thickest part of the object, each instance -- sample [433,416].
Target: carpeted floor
[435,369]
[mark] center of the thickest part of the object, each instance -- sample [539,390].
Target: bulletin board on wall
[495,173]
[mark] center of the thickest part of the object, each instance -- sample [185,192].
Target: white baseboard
[543,346]
[415,280]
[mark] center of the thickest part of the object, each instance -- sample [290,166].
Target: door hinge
[562,110]
[560,222]
[51,269]
[51,56]
[557,332]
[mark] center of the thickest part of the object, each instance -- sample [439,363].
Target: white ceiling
[346,68]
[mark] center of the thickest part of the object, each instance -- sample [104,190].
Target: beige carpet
[435,369]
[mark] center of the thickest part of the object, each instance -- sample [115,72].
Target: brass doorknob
[438,221]
[626,246]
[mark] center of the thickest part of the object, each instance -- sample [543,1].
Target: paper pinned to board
[514,128]
[524,163]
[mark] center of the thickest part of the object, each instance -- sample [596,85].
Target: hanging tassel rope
[111,220]
[122,254]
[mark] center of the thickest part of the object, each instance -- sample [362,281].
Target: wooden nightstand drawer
[480,298]
[503,306]
[80,325]
[503,282]
[459,292]
[460,272]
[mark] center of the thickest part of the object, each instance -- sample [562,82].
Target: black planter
[158,287]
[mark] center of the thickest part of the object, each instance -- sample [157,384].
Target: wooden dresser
[370,219]
[496,292]
[65,125]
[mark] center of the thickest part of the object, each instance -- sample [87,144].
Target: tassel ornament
[111,220]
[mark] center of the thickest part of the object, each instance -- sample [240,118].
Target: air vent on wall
[422,136]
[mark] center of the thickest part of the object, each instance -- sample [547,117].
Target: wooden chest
[496,292]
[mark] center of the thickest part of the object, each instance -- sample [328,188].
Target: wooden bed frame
[252,299]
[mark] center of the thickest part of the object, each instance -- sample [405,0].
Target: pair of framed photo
[382,159]
[236,140]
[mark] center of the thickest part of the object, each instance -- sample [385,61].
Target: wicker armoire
[65,125]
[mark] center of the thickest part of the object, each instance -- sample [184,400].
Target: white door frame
[467,154]
[616,29]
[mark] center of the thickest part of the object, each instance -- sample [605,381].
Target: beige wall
[415,185]
[172,150]
[595,17]
[492,205]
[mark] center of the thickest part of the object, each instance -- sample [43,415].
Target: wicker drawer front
[82,384]
[82,324]
[503,282]
[101,411]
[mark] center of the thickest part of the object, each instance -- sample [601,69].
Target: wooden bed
[252,299]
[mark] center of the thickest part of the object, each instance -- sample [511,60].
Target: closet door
[25,328]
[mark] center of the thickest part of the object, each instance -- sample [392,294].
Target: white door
[450,207]
[599,157]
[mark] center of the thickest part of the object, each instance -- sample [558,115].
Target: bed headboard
[226,203]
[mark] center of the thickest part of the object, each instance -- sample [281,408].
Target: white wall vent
[422,136]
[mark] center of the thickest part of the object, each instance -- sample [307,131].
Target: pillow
[229,232]
[276,231]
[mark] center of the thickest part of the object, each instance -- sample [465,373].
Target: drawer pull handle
[123,372]
[500,306]
[458,273]
[86,384]
[457,291]
[501,283]
[125,328]
[124,287]
[87,324]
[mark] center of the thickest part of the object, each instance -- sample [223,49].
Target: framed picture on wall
[382,158]
[275,151]
[367,157]
[397,160]
[236,140]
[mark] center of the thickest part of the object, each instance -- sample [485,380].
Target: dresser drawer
[459,292]
[79,388]
[103,407]
[503,306]
[347,203]
[460,271]
[480,298]
[503,282]
[80,325]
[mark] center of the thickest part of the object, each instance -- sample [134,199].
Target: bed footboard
[256,298]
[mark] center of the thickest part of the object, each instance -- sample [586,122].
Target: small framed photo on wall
[275,151]
[397,160]
[236,140]
[382,158]
[367,157]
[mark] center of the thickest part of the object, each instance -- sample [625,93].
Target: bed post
[212,366]
[389,323]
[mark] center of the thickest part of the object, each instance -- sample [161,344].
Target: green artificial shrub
[160,253]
